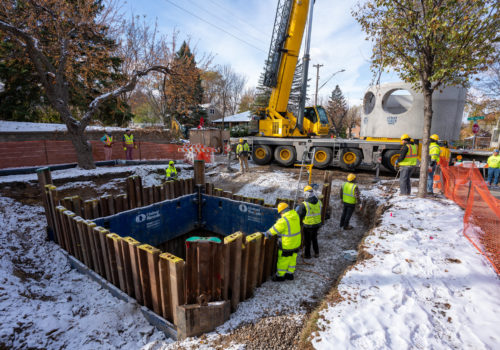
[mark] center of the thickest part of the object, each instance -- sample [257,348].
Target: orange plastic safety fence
[466,186]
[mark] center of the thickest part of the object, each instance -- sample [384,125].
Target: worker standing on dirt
[494,168]
[288,230]
[171,171]
[407,161]
[242,151]
[128,144]
[349,194]
[107,140]
[310,213]
[434,153]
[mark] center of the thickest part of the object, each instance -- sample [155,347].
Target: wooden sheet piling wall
[162,281]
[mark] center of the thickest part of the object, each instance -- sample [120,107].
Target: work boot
[306,256]
[289,276]
[348,227]
[277,278]
[316,255]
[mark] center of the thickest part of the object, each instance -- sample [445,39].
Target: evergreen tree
[336,111]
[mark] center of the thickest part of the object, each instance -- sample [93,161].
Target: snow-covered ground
[425,287]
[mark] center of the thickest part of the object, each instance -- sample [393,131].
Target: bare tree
[229,87]
[247,99]
[65,42]
[352,119]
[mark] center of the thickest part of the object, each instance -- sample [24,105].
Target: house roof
[237,118]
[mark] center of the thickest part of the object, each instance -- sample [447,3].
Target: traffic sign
[475,128]
[479,117]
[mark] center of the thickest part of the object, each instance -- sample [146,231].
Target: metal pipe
[305,69]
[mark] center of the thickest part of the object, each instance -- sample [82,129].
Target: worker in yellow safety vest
[287,228]
[242,152]
[310,213]
[407,161]
[434,153]
[171,171]
[107,140]
[128,144]
[349,194]
[494,168]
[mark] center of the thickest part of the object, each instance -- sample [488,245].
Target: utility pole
[318,66]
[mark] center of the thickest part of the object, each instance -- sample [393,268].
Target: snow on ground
[147,171]
[44,304]
[6,125]
[426,287]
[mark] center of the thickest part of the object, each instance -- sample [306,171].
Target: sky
[238,32]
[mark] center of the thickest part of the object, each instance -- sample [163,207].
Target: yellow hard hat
[241,140]
[171,162]
[351,177]
[405,136]
[282,206]
[434,137]
[308,188]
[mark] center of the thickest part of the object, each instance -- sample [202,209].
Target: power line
[258,39]
[215,26]
[238,17]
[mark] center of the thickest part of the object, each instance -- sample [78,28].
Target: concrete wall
[389,115]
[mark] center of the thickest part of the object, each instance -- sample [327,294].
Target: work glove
[135,146]
[124,148]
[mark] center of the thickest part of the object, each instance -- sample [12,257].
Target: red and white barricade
[197,152]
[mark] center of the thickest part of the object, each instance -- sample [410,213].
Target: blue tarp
[164,221]
[156,223]
[226,216]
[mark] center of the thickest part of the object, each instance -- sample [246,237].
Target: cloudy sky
[238,32]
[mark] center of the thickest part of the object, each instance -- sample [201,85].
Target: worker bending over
[349,194]
[287,228]
[434,153]
[242,151]
[310,213]
[407,161]
[171,171]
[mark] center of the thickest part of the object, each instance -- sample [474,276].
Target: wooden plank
[84,243]
[131,192]
[134,265]
[171,189]
[139,200]
[44,180]
[261,260]
[253,243]
[96,209]
[171,285]
[77,205]
[76,238]
[205,252]
[111,205]
[115,244]
[88,227]
[87,209]
[149,272]
[157,193]
[234,243]
[102,247]
[67,217]
[270,248]
[113,267]
[177,285]
[104,203]
[145,196]
[127,267]
[62,228]
[244,273]
[163,192]
[191,276]
[51,193]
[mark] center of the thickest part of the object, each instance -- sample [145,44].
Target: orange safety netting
[466,186]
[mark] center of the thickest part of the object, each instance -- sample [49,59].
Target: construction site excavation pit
[151,244]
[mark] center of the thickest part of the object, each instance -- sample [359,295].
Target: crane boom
[289,27]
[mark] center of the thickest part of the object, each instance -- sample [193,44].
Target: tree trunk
[424,165]
[82,146]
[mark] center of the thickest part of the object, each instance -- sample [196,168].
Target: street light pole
[327,80]
[318,66]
